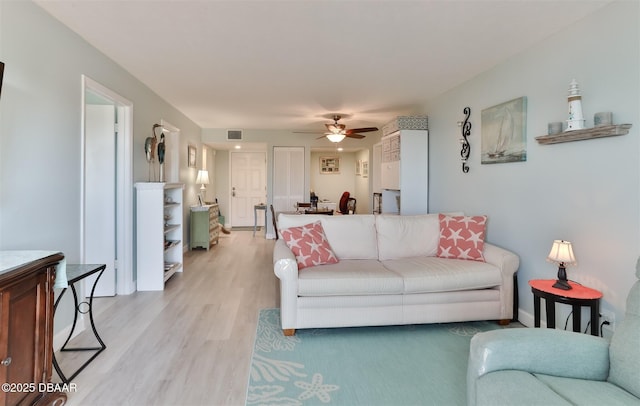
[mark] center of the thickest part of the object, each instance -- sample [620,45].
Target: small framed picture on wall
[191,156]
[329,165]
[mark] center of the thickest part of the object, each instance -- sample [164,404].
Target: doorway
[172,146]
[107,197]
[248,187]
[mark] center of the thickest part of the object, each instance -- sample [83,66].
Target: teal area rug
[392,365]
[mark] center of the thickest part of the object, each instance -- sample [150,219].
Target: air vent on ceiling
[234,135]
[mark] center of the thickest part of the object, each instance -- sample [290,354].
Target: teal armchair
[526,366]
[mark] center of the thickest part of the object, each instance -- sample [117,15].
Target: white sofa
[388,274]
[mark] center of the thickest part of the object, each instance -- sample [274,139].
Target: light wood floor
[188,345]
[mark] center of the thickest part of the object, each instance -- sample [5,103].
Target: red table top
[577,292]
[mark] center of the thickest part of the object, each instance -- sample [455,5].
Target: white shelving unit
[404,177]
[159,232]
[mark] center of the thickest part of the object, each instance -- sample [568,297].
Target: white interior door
[100,195]
[288,177]
[248,187]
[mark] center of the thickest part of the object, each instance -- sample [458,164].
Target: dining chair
[351,205]
[273,219]
[343,206]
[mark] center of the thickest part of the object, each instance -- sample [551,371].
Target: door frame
[253,151]
[124,185]
[172,139]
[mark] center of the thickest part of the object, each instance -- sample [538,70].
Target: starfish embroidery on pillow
[310,245]
[462,237]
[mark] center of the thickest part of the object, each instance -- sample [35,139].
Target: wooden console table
[26,342]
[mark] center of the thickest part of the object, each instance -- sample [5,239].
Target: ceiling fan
[337,132]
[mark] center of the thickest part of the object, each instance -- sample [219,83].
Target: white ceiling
[285,64]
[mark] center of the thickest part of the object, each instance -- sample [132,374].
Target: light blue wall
[40,128]
[586,192]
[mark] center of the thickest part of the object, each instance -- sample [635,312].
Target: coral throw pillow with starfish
[462,237]
[309,244]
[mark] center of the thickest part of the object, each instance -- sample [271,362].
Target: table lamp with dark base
[562,254]
[562,282]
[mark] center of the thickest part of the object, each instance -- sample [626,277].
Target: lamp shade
[562,253]
[203,177]
[335,137]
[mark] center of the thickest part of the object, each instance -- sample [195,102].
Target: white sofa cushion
[408,236]
[350,236]
[432,274]
[348,278]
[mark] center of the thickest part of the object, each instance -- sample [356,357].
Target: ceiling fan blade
[361,130]
[324,136]
[307,132]
[353,135]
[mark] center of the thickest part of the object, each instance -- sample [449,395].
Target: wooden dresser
[26,330]
[204,226]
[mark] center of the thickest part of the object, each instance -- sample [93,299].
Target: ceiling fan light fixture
[335,137]
[337,132]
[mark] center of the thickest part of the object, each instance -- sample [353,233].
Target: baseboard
[528,320]
[60,338]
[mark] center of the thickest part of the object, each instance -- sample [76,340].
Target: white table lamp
[203,179]
[562,254]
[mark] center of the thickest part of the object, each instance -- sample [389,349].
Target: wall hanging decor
[576,119]
[466,132]
[329,165]
[150,147]
[191,156]
[1,75]
[161,153]
[576,130]
[504,132]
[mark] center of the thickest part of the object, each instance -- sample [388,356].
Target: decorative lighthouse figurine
[576,119]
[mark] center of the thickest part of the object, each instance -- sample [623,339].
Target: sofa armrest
[282,252]
[545,351]
[508,263]
[286,269]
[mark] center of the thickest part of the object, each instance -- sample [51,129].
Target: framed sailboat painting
[504,132]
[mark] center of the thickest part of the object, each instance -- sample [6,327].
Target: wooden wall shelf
[586,134]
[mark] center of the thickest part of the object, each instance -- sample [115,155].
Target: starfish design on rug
[270,337]
[271,370]
[464,330]
[316,388]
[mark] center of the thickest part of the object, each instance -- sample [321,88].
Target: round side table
[577,297]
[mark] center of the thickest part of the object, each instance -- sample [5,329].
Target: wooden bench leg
[289,332]
[504,322]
